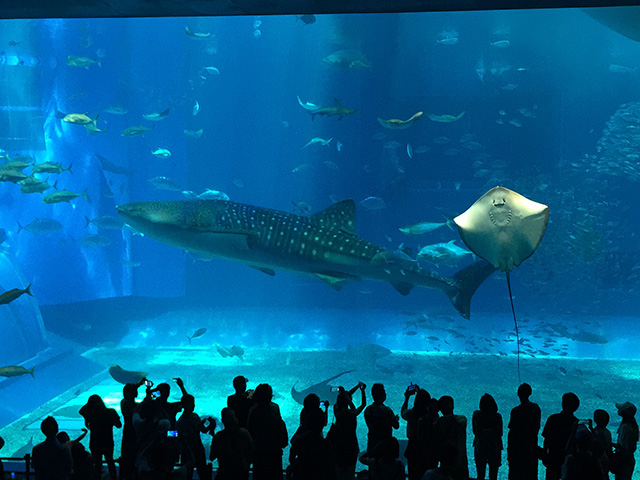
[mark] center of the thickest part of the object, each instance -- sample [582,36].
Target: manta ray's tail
[467,281]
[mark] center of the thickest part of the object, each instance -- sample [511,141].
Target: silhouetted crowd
[155,439]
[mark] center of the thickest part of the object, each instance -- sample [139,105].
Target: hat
[626,408]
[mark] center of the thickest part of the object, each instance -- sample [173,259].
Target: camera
[155,394]
[334,389]
[411,387]
[325,403]
[172,433]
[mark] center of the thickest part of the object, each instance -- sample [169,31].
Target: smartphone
[172,433]
[334,389]
[148,383]
[325,403]
[155,394]
[411,387]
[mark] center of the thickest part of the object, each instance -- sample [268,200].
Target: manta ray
[324,245]
[504,228]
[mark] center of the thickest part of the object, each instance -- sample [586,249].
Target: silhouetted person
[50,459]
[452,430]
[383,461]
[83,464]
[582,464]
[414,453]
[380,418]
[311,455]
[487,443]
[342,433]
[313,411]
[522,439]
[169,410]
[448,455]
[100,421]
[269,434]
[627,441]
[1,466]
[232,447]
[603,436]
[189,427]
[241,401]
[557,432]
[129,445]
[155,457]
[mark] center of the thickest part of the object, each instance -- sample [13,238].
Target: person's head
[263,393]
[342,400]
[626,410]
[488,404]
[95,404]
[445,405]
[240,384]
[601,418]
[164,389]
[570,402]
[378,393]
[130,391]
[188,403]
[63,437]
[524,392]
[387,449]
[49,427]
[421,403]
[229,419]
[311,401]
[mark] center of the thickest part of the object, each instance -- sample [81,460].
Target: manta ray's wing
[503,227]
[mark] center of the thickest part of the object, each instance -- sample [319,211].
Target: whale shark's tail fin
[467,281]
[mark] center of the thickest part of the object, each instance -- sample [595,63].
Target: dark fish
[40,226]
[11,295]
[92,240]
[322,389]
[109,166]
[198,333]
[410,333]
[15,371]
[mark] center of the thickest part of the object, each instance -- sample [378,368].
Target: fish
[208,194]
[135,131]
[335,110]
[196,109]
[409,150]
[93,240]
[501,43]
[116,110]
[422,228]
[321,141]
[306,19]
[65,196]
[51,167]
[193,133]
[108,166]
[197,35]
[448,41]
[165,183]
[347,60]
[123,376]
[82,62]
[161,153]
[106,222]
[79,118]
[40,226]
[13,294]
[321,389]
[505,228]
[373,203]
[324,245]
[311,107]
[444,118]
[397,124]
[156,117]
[34,186]
[198,333]
[443,253]
[16,371]
[92,129]
[211,71]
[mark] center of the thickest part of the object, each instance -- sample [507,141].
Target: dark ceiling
[171,8]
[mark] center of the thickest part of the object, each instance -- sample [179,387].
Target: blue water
[536,105]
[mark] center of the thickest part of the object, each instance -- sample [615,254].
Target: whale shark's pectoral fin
[334,282]
[404,288]
[268,271]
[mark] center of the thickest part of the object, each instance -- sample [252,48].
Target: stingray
[322,389]
[504,228]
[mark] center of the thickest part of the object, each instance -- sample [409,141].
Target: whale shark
[324,245]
